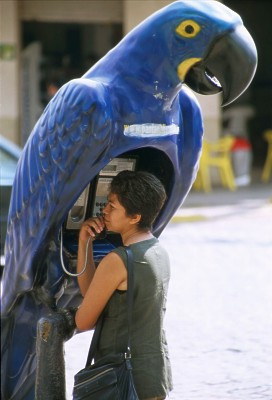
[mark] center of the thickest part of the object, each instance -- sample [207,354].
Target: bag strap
[98,328]
[130,288]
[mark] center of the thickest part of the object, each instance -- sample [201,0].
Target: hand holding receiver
[93,227]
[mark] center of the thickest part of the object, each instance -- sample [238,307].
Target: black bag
[110,378]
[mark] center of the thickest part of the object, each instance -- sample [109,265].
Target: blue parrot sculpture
[133,98]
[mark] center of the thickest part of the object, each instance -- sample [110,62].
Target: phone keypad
[100,206]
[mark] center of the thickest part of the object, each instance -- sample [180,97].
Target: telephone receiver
[103,233]
[100,235]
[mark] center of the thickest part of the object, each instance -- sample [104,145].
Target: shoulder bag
[110,378]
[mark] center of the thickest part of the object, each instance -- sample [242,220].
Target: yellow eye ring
[188,28]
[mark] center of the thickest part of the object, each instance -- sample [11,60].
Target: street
[219,320]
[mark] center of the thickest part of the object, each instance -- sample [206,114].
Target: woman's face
[115,216]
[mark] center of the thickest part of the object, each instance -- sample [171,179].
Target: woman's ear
[135,219]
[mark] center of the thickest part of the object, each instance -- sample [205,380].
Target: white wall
[136,11]
[71,10]
[9,71]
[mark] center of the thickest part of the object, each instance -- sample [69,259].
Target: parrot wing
[61,155]
[66,143]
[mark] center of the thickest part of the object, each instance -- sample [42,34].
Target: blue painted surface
[80,131]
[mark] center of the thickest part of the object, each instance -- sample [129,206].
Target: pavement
[218,320]
[220,201]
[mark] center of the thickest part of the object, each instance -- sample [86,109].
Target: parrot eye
[188,28]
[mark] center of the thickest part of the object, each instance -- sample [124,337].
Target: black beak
[229,67]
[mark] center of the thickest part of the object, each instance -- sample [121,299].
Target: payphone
[94,197]
[89,204]
[92,200]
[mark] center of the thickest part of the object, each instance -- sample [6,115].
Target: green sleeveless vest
[150,360]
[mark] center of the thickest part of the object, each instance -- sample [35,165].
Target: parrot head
[203,44]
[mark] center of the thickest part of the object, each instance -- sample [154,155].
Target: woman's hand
[91,227]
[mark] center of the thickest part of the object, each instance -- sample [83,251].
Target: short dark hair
[139,192]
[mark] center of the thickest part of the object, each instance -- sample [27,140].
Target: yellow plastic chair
[203,179]
[218,155]
[268,162]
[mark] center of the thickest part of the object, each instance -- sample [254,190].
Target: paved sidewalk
[199,205]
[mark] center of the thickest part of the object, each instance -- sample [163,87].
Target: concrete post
[52,332]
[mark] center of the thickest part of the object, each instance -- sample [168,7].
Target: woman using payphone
[134,202]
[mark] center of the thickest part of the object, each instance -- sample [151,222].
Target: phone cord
[61,257]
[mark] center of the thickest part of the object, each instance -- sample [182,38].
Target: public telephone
[95,196]
[89,204]
[78,212]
